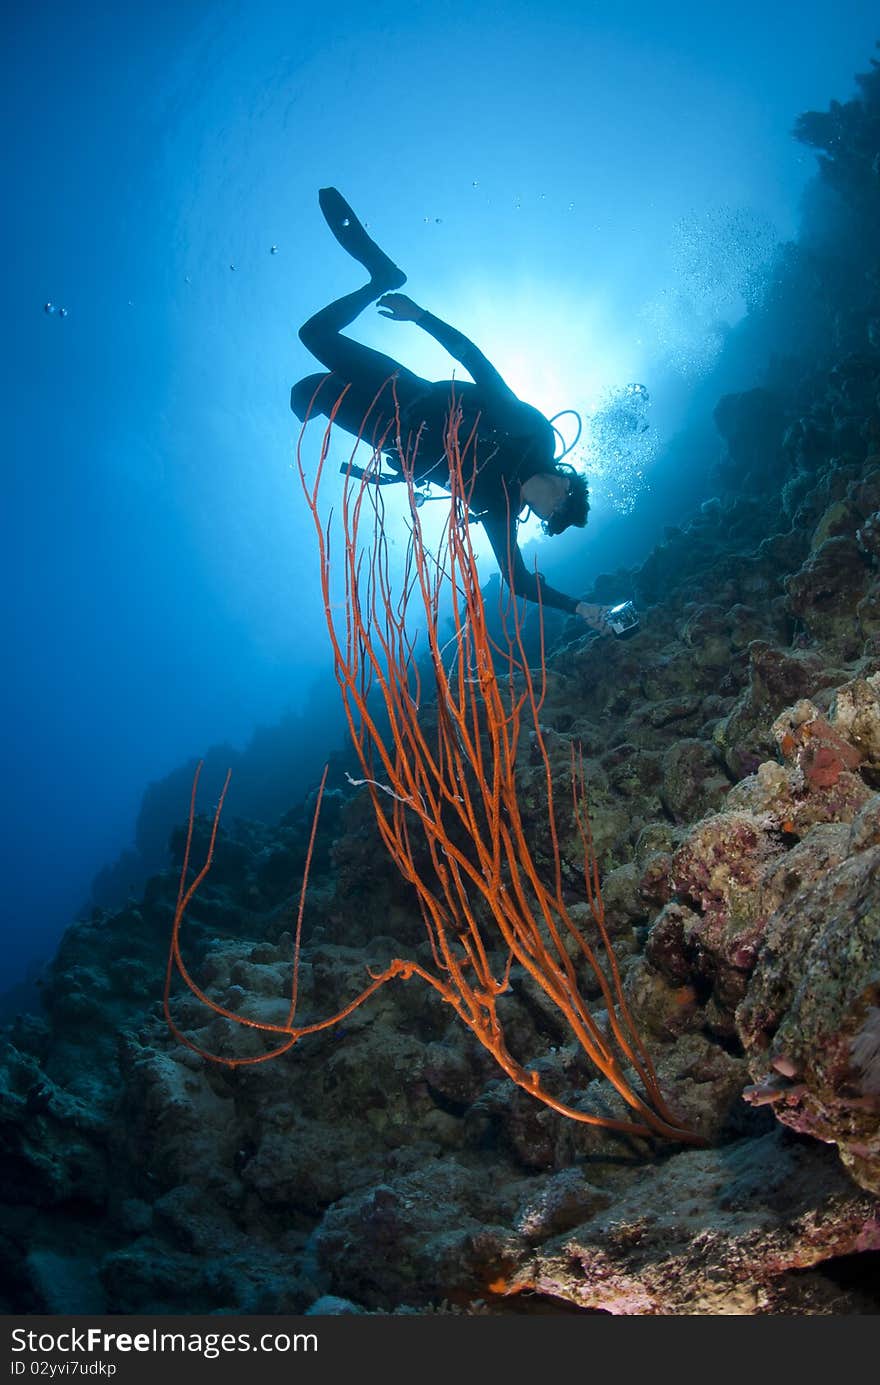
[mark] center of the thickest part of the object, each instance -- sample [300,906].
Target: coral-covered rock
[775,678]
[668,946]
[839,519]
[855,715]
[823,784]
[176,1121]
[53,1144]
[826,591]
[868,535]
[693,782]
[809,1015]
[706,632]
[624,902]
[864,492]
[666,1005]
[718,870]
[722,1232]
[823,756]
[655,882]
[563,1200]
[435,1234]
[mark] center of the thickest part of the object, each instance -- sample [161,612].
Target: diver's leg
[380,388]
[315,394]
[360,364]
[353,237]
[358,409]
[321,333]
[317,333]
[326,394]
[378,385]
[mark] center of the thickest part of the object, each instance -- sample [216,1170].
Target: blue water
[589,191]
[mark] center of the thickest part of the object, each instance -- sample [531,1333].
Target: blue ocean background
[594,193]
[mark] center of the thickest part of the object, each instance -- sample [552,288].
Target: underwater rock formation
[732,755]
[387,1163]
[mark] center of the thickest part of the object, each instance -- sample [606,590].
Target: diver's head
[573,503]
[558,497]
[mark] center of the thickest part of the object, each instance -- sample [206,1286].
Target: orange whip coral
[445,799]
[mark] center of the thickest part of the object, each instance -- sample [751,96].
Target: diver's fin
[353,238]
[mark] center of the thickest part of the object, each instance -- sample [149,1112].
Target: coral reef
[732,758]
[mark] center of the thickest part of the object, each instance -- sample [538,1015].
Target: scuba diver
[397,412]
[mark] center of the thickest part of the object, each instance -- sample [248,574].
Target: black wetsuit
[511,440]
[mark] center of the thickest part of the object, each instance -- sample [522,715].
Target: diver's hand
[399,307]
[596,617]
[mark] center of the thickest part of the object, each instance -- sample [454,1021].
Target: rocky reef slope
[733,760]
[732,752]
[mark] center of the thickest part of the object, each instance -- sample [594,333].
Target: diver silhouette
[510,443]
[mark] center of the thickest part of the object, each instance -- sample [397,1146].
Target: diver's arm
[501,534]
[402,309]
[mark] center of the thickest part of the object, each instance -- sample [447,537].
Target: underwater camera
[623,619]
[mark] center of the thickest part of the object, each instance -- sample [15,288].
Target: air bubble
[475,184]
[273,249]
[62,312]
[438,221]
[346,221]
[49,308]
[232,266]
